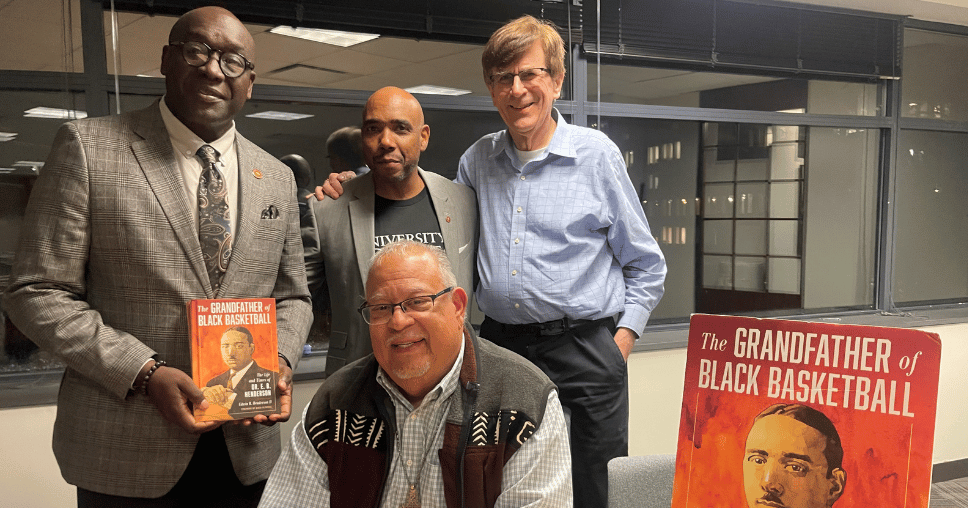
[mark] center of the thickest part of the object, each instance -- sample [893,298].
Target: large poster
[797,414]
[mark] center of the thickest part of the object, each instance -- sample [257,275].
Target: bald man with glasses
[133,216]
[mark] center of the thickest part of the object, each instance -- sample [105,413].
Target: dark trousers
[592,379]
[208,481]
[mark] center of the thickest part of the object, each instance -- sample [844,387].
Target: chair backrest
[641,482]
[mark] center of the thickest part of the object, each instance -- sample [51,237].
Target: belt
[556,327]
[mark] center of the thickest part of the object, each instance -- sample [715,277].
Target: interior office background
[795,160]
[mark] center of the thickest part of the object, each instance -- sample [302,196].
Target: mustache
[770,497]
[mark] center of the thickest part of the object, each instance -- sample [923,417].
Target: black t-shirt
[408,219]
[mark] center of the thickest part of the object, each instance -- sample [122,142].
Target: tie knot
[208,154]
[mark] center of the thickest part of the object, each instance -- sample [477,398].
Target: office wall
[30,478]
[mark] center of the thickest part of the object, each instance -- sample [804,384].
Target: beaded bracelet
[144,382]
[285,360]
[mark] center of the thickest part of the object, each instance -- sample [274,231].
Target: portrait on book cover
[245,387]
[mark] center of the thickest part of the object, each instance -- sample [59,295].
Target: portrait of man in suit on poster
[239,389]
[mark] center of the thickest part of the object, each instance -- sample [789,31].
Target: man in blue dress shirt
[569,271]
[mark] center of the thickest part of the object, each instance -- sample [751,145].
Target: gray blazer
[108,258]
[336,259]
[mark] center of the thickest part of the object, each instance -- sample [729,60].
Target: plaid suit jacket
[108,258]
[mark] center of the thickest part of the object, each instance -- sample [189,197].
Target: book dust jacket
[235,357]
[779,413]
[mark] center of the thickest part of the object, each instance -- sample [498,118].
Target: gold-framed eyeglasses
[380,313]
[198,54]
[526,76]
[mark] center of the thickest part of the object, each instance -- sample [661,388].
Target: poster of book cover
[779,413]
[234,357]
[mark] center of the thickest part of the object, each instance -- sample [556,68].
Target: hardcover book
[800,414]
[234,357]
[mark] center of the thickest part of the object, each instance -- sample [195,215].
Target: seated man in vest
[435,416]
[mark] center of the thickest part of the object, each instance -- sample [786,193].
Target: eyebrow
[785,455]
[401,123]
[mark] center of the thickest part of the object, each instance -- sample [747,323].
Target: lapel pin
[257,173]
[448,218]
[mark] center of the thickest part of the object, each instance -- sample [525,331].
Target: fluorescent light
[62,114]
[7,136]
[278,115]
[334,37]
[437,90]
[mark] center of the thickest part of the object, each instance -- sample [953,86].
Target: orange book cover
[234,357]
[779,413]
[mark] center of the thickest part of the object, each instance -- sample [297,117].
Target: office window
[284,60]
[685,88]
[932,218]
[41,35]
[756,218]
[934,83]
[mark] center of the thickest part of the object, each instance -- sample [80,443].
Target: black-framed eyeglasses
[198,54]
[526,76]
[380,313]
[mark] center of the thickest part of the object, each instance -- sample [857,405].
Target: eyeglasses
[381,313]
[526,76]
[198,54]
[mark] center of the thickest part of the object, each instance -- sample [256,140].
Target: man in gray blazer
[112,251]
[394,200]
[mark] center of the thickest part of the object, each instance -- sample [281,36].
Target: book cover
[234,357]
[798,414]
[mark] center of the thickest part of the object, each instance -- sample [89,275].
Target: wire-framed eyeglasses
[198,54]
[526,76]
[380,313]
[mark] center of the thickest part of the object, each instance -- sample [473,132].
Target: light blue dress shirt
[563,235]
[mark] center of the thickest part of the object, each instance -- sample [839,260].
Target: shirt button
[517,306]
[519,209]
[514,272]
[413,416]
[409,463]
[523,177]
[517,240]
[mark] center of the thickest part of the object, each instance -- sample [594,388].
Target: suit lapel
[362,221]
[157,160]
[443,207]
[250,207]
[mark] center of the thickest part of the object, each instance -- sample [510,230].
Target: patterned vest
[351,423]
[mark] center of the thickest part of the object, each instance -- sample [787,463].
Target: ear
[559,81]
[424,137]
[165,60]
[459,297]
[248,93]
[838,480]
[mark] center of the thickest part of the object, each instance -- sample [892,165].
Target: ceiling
[406,63]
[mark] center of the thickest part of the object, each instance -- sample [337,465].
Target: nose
[385,139]
[213,65]
[517,86]
[399,320]
[771,481]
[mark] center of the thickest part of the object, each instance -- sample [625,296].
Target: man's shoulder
[254,157]
[343,389]
[438,183]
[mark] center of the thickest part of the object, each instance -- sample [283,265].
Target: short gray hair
[401,247]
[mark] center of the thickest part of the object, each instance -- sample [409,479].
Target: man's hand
[217,394]
[625,340]
[284,388]
[175,394]
[333,186]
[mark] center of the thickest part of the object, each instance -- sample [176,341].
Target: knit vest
[499,405]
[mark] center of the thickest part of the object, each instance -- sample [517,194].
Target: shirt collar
[440,392]
[185,142]
[560,140]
